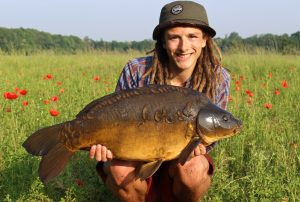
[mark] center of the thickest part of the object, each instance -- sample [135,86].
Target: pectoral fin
[184,156]
[148,169]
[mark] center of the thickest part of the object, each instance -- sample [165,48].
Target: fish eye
[225,118]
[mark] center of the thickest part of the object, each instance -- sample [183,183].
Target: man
[184,55]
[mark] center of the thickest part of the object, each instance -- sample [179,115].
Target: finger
[92,152]
[109,155]
[98,152]
[103,153]
[202,149]
[197,152]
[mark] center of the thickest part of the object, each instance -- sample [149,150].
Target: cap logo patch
[176,9]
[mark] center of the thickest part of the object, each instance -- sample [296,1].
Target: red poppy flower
[25,103]
[54,98]
[237,88]
[249,93]
[238,83]
[48,76]
[284,84]
[53,112]
[230,98]
[276,92]
[96,78]
[61,90]
[10,95]
[242,78]
[59,83]
[268,105]
[23,92]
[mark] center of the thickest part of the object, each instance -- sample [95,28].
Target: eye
[225,118]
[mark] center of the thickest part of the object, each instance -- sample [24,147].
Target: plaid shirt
[132,77]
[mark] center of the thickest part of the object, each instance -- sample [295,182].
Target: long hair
[205,76]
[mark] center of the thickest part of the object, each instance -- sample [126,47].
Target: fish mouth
[238,128]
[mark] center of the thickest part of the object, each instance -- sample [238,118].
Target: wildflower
[10,95]
[230,98]
[48,76]
[268,105]
[54,98]
[61,90]
[237,83]
[23,92]
[96,78]
[284,84]
[237,88]
[59,83]
[53,112]
[25,103]
[276,92]
[242,78]
[249,93]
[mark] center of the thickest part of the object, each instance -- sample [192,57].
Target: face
[183,46]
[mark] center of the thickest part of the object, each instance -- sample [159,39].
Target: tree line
[30,41]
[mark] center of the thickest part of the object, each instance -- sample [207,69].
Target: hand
[100,152]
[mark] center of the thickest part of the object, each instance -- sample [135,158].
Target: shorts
[160,182]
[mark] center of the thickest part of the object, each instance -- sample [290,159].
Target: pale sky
[128,20]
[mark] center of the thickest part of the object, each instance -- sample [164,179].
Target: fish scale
[151,124]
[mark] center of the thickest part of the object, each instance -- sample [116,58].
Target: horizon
[141,39]
[104,20]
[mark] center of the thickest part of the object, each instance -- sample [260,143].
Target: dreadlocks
[206,74]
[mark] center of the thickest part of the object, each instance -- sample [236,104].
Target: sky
[128,20]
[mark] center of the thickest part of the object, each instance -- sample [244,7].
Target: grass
[262,163]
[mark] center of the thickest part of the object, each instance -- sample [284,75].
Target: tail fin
[46,142]
[43,140]
[54,162]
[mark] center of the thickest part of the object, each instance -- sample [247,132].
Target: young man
[184,55]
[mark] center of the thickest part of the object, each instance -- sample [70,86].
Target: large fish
[151,124]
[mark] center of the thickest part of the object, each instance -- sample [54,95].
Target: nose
[184,44]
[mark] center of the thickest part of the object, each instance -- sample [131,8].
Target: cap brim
[195,23]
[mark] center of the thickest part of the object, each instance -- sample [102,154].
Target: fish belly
[145,141]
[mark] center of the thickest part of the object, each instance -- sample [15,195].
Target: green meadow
[261,163]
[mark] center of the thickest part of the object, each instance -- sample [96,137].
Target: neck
[178,77]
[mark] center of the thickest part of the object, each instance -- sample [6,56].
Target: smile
[183,56]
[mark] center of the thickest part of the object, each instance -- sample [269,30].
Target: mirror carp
[151,124]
